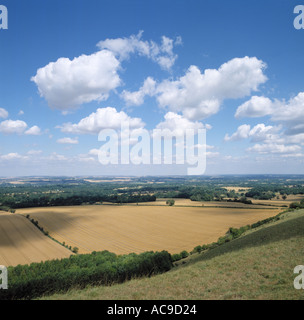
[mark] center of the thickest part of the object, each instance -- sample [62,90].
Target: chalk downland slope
[22,243]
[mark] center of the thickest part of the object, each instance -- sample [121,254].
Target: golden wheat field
[125,229]
[189,203]
[22,243]
[237,189]
[280,202]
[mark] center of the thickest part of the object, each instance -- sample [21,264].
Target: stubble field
[125,229]
[22,243]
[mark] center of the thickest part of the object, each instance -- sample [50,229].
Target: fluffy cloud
[12,156]
[255,107]
[67,141]
[177,124]
[35,131]
[3,113]
[136,98]
[66,84]
[18,127]
[288,113]
[241,133]
[103,118]
[161,54]
[199,95]
[260,132]
[13,126]
[291,114]
[274,142]
[293,139]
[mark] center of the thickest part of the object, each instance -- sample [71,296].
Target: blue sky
[72,68]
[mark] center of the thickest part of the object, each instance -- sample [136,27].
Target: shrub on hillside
[297,205]
[184,254]
[175,257]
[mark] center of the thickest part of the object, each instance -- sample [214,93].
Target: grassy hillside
[258,265]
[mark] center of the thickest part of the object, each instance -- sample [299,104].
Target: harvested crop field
[125,229]
[189,203]
[237,189]
[279,202]
[22,243]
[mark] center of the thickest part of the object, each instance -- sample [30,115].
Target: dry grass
[22,243]
[125,229]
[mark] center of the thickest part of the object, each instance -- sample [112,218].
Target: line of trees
[267,192]
[97,268]
[34,200]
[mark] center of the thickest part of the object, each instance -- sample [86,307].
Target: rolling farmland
[22,243]
[125,229]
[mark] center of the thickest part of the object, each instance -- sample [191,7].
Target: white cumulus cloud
[103,118]
[291,114]
[177,124]
[160,53]
[255,107]
[12,156]
[13,126]
[18,127]
[241,133]
[259,132]
[199,95]
[66,84]
[136,98]
[34,130]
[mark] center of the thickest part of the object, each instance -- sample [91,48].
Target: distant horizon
[154,176]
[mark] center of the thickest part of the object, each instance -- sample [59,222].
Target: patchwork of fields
[125,229]
[22,243]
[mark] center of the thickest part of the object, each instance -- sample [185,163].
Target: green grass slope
[258,265]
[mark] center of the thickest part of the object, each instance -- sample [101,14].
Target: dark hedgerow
[98,268]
